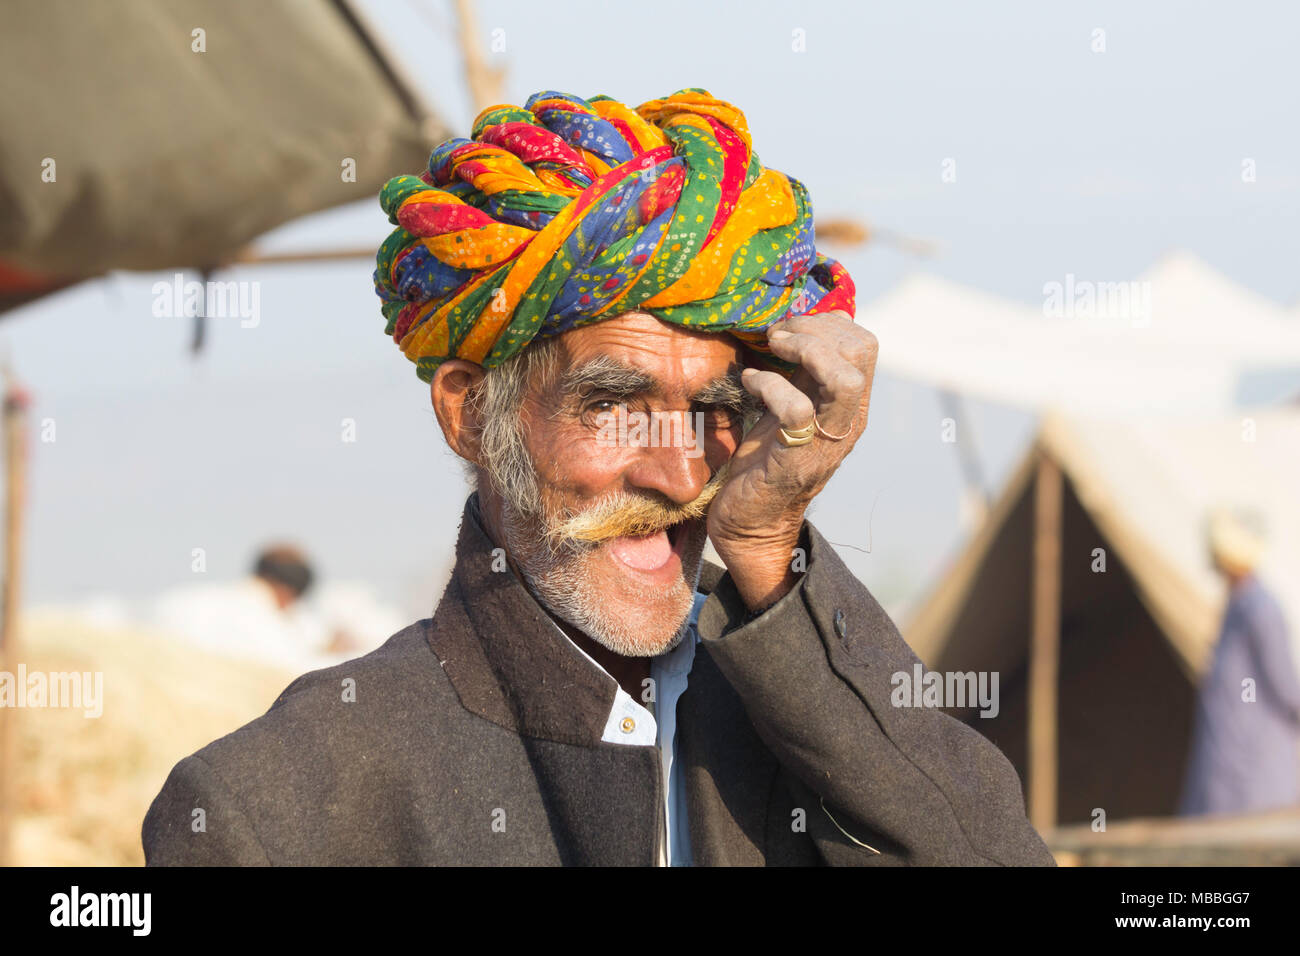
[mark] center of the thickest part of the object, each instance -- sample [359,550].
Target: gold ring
[821,431]
[799,436]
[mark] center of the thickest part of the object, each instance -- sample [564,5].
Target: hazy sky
[1067,161]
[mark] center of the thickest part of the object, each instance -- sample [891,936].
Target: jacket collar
[504,655]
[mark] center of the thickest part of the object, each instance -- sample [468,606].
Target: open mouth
[650,552]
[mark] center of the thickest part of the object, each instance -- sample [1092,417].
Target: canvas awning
[161,155]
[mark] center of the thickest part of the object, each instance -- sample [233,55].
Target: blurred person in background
[1244,755]
[284,569]
[260,617]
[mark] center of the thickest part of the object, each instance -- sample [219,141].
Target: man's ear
[452,386]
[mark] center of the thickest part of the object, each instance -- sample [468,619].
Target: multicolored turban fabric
[569,211]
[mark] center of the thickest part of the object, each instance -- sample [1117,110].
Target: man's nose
[671,462]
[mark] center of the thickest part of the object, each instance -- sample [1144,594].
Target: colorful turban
[569,211]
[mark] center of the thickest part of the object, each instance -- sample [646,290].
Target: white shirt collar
[631,723]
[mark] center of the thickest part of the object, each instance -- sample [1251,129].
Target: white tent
[1156,480]
[1181,338]
[1148,483]
[1133,640]
[1145,388]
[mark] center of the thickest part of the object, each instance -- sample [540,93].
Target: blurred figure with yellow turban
[1244,754]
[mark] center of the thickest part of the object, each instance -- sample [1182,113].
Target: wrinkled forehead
[644,352]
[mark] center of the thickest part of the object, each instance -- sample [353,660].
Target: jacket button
[628,725]
[841,627]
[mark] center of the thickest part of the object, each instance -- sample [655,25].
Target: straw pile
[84,784]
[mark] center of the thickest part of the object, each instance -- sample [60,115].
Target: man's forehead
[674,357]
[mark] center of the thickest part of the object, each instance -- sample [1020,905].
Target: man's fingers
[827,365]
[792,408]
[871,349]
[840,382]
[804,323]
[853,341]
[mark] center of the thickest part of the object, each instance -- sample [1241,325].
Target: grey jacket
[474,737]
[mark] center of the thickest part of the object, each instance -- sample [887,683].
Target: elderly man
[631,340]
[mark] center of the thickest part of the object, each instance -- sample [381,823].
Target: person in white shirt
[259,617]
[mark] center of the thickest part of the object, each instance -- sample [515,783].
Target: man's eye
[603,412]
[719,416]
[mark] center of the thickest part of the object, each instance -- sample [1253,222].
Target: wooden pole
[1045,645]
[15,441]
[485,82]
[854,232]
[250,256]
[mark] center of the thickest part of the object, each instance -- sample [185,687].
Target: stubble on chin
[566,582]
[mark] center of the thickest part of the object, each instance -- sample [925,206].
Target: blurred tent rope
[175,157]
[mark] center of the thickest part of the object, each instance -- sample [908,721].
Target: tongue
[645,552]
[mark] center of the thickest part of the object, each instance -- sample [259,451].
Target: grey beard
[558,580]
